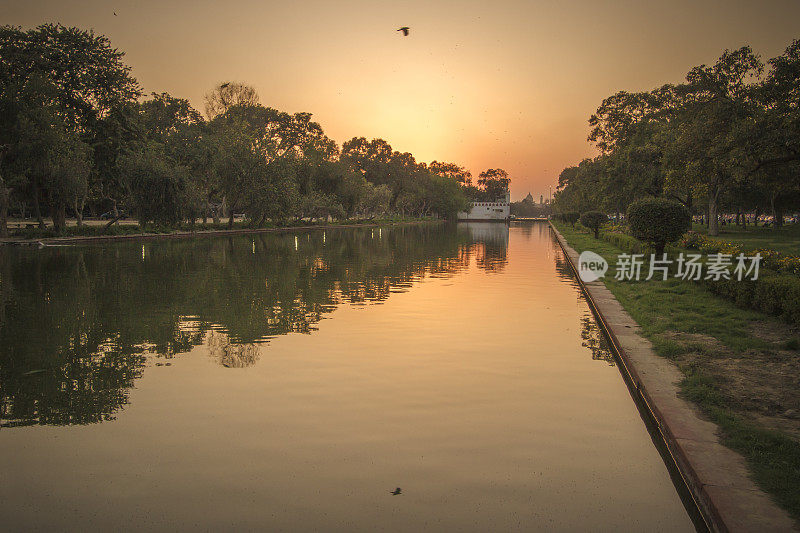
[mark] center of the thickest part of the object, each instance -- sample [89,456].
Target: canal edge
[202,233]
[715,476]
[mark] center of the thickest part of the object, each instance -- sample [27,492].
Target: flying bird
[405,30]
[115,13]
[398,490]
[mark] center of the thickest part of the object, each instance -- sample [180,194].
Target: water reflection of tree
[594,340]
[491,244]
[230,354]
[591,334]
[79,324]
[563,268]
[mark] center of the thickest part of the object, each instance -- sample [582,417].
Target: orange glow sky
[506,84]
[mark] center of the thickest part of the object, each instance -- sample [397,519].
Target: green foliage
[533,209]
[452,171]
[726,140]
[770,259]
[447,197]
[315,205]
[593,220]
[774,294]
[87,293]
[64,90]
[159,189]
[572,217]
[625,242]
[58,86]
[657,221]
[228,95]
[495,183]
[773,457]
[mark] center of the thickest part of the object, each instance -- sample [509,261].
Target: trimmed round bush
[657,221]
[593,220]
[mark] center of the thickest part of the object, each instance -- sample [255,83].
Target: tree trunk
[78,212]
[688,206]
[777,214]
[230,218]
[37,210]
[713,223]
[5,193]
[60,216]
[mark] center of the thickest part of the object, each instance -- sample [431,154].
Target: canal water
[405,378]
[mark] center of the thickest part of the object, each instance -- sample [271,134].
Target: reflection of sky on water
[471,386]
[79,324]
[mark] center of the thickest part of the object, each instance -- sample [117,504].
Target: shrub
[770,259]
[657,221]
[572,218]
[774,294]
[624,242]
[593,220]
[692,240]
[617,227]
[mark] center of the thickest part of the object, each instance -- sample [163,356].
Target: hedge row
[570,218]
[774,293]
[625,242]
[770,259]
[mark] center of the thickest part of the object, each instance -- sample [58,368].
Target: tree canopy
[725,140]
[77,135]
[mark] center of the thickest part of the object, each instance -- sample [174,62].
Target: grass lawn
[785,239]
[741,367]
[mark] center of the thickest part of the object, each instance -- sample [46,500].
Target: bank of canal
[296,380]
[716,476]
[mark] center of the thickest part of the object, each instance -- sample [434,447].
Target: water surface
[293,381]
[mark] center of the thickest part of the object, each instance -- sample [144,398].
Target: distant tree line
[77,137]
[725,141]
[528,208]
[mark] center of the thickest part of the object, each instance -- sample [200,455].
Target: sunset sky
[506,84]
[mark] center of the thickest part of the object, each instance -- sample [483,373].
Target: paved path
[717,476]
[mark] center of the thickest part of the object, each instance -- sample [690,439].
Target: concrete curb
[716,477]
[203,233]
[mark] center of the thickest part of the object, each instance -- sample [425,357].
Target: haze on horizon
[508,84]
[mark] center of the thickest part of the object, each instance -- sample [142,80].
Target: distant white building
[497,211]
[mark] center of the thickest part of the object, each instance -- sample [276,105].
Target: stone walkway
[716,476]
